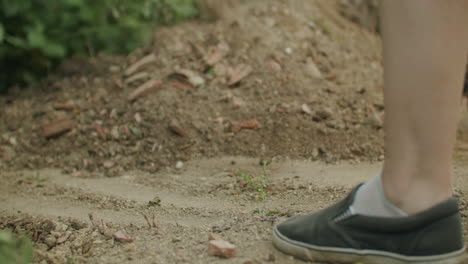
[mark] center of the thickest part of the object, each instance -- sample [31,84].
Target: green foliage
[256,185]
[15,250]
[36,35]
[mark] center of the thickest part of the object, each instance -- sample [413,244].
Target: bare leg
[425,50]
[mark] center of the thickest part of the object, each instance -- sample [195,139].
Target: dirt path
[307,86]
[203,197]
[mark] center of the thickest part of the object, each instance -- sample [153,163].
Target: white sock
[370,200]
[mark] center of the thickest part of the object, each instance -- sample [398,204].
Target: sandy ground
[201,198]
[306,100]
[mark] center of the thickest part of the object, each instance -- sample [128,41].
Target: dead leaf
[137,77]
[217,53]
[64,106]
[239,73]
[101,132]
[143,61]
[191,76]
[143,89]
[180,85]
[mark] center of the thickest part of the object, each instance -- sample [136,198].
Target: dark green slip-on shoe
[334,235]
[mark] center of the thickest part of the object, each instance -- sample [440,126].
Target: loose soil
[273,110]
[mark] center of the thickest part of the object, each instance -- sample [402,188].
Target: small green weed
[256,185]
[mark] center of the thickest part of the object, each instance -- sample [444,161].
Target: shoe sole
[343,255]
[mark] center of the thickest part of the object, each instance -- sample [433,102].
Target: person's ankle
[417,196]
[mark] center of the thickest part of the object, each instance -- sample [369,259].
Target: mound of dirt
[277,78]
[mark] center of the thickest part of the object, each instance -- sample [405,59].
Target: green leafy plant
[15,250]
[36,35]
[255,184]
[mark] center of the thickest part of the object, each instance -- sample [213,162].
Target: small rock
[50,241]
[156,201]
[212,236]
[288,50]
[271,258]
[373,120]
[275,66]
[138,118]
[123,236]
[315,153]
[115,133]
[306,109]
[179,165]
[108,164]
[108,233]
[237,103]
[64,238]
[57,128]
[177,129]
[176,239]
[312,69]
[323,114]
[13,141]
[221,248]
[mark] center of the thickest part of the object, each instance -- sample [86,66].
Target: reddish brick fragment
[250,124]
[57,128]
[123,237]
[221,248]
